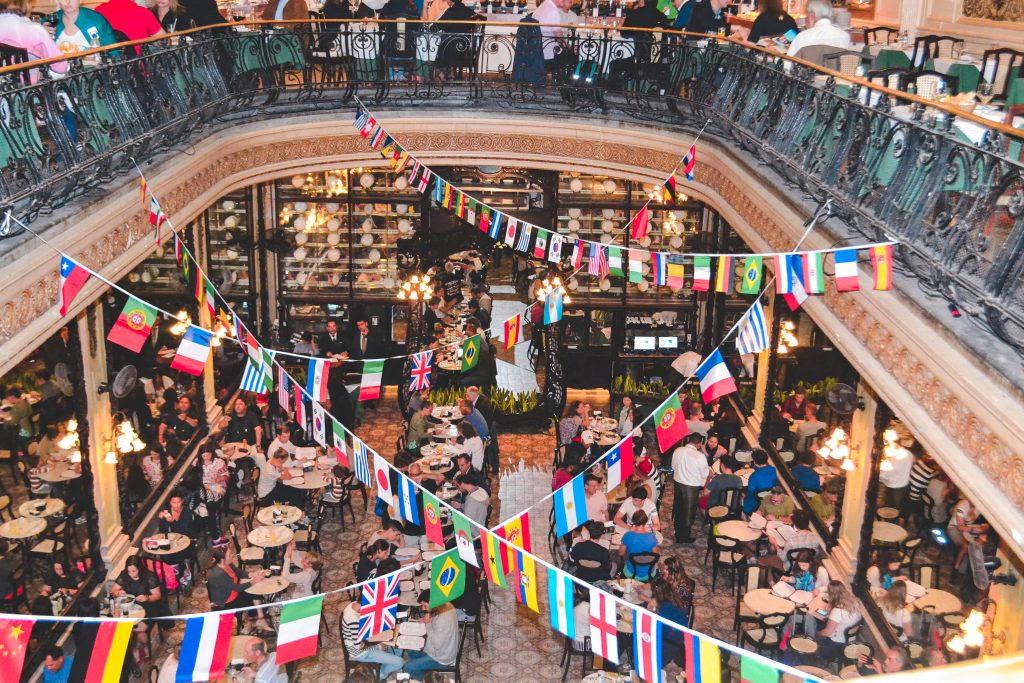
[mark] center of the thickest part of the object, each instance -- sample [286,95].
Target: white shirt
[269,476]
[823,33]
[474,448]
[627,509]
[689,466]
[288,446]
[899,475]
[548,13]
[844,620]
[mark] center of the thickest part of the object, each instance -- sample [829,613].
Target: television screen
[668,342]
[643,343]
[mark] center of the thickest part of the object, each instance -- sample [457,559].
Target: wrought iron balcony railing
[947,183]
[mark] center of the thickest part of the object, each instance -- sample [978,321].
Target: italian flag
[369,385]
[300,629]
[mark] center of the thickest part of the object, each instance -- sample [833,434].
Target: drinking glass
[985,92]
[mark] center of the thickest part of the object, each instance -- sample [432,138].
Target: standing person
[215,486]
[690,472]
[331,343]
[772,21]
[897,479]
[920,476]
[203,12]
[362,341]
[626,419]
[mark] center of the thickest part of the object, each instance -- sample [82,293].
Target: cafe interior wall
[947,17]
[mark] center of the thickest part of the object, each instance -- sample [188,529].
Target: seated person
[177,517]
[807,574]
[260,666]
[371,558]
[420,428]
[824,504]
[475,418]
[713,448]
[803,472]
[61,579]
[417,399]
[896,610]
[843,613]
[777,505]
[133,21]
[636,503]
[182,421]
[442,646]
[886,570]
[597,502]
[336,483]
[309,563]
[390,532]
[283,441]
[592,550]
[896,660]
[725,480]
[464,465]
[470,443]
[475,500]
[360,650]
[638,539]
[144,585]
[762,478]
[272,487]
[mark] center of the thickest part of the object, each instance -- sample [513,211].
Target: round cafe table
[762,601]
[447,413]
[270,536]
[744,474]
[238,450]
[739,530]
[310,481]
[22,527]
[60,472]
[179,543]
[887,532]
[425,463]
[289,514]
[272,585]
[938,602]
[52,507]
[605,424]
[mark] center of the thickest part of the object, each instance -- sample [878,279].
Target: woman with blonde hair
[171,15]
[894,606]
[844,613]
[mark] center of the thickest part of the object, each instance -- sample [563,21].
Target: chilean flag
[193,351]
[619,462]
[647,646]
[715,379]
[316,384]
[847,279]
[72,279]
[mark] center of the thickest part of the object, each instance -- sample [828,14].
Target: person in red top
[128,18]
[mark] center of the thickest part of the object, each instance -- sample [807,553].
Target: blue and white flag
[252,378]
[753,334]
[497,225]
[570,503]
[406,503]
[360,464]
[523,243]
[316,378]
[560,598]
[553,306]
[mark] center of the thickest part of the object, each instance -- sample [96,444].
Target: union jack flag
[378,606]
[420,374]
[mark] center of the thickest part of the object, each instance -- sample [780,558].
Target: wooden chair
[846,62]
[881,35]
[582,650]
[474,623]
[309,538]
[753,578]
[250,555]
[766,635]
[344,651]
[726,556]
[52,546]
[804,646]
[456,668]
[638,560]
[928,84]
[908,550]
[19,592]
[356,485]
[1003,62]
[345,501]
[856,648]
[12,56]
[6,514]
[890,78]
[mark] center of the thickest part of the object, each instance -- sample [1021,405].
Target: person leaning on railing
[17,30]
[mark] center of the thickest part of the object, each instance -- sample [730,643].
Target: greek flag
[252,378]
[753,334]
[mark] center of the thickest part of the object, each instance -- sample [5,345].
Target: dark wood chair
[928,84]
[766,635]
[1005,64]
[847,62]
[13,56]
[932,46]
[881,35]
[582,650]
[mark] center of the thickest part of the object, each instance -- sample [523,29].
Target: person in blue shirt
[665,603]
[639,539]
[56,667]
[683,15]
[762,479]
[475,417]
[804,473]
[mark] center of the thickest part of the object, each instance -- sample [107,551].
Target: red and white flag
[604,630]
[647,646]
[316,382]
[72,278]
[382,475]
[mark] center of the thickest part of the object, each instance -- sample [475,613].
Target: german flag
[101,651]
[725,280]
[670,189]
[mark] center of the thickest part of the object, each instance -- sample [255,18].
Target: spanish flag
[725,281]
[493,564]
[881,261]
[512,331]
[517,533]
[100,658]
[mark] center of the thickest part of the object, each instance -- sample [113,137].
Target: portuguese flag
[132,327]
[670,423]
[432,518]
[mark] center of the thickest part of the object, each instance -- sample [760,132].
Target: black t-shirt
[452,284]
[243,427]
[591,550]
[767,25]
[704,19]
[70,580]
[180,427]
[140,586]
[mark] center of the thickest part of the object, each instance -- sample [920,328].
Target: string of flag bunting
[666,268]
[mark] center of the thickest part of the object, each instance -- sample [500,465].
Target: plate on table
[297,480]
[412,628]
[407,552]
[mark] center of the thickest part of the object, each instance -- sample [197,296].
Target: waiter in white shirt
[690,472]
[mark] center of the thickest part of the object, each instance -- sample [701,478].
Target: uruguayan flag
[753,334]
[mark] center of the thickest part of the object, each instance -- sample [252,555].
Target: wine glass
[985,92]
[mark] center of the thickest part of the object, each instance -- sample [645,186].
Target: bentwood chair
[766,635]
[846,62]
[930,47]
[753,578]
[726,556]
[581,649]
[929,84]
[1000,67]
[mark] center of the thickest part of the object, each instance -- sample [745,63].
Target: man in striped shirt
[920,476]
[360,651]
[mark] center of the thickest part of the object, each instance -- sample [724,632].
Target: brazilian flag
[471,352]
[447,578]
[752,269]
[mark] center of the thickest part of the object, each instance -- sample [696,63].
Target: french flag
[193,351]
[715,379]
[316,382]
[72,279]
[847,279]
[204,648]
[619,462]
